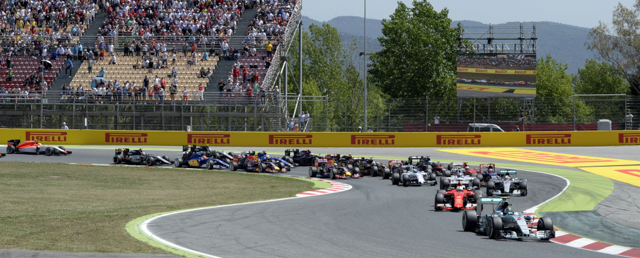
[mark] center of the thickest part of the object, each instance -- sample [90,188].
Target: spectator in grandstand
[269,48]
[101,72]
[173,90]
[436,119]
[185,96]
[10,76]
[174,73]
[113,59]
[201,91]
[150,67]
[69,68]
[203,73]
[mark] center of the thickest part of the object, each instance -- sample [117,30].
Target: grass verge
[76,208]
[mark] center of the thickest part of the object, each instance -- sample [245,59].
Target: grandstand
[39,39]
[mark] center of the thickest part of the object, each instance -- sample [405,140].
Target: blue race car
[197,159]
[261,162]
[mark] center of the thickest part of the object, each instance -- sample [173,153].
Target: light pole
[365,65]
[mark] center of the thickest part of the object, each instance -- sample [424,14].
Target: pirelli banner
[267,139]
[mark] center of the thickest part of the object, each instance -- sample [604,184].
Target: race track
[374,219]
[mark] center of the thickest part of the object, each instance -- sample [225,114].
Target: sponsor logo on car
[290,139]
[458,140]
[548,139]
[633,138]
[373,139]
[46,136]
[125,137]
[209,138]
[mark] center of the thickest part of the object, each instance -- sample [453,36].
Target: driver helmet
[459,174]
[507,177]
[460,186]
[508,211]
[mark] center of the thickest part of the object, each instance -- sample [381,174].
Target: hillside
[565,43]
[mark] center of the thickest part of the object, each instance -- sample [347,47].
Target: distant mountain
[566,43]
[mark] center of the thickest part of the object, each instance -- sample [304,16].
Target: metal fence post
[426,123]
[574,113]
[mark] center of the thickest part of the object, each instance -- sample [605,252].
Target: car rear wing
[13,143]
[487,165]
[508,172]
[491,200]
[119,151]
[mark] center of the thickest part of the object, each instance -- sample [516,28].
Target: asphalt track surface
[374,219]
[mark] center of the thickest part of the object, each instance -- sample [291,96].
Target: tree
[328,70]
[600,78]
[555,98]
[619,47]
[418,56]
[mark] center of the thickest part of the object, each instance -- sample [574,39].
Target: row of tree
[418,60]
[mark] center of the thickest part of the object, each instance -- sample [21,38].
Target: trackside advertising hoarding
[302,140]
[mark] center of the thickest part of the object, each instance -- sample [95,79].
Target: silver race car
[503,222]
[507,183]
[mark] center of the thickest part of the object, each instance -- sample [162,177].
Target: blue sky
[582,13]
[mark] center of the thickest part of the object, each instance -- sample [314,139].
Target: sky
[581,13]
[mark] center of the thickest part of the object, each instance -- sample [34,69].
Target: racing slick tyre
[48,151]
[117,160]
[148,162]
[332,173]
[476,183]
[473,175]
[447,173]
[262,168]
[445,184]
[405,180]
[449,167]
[11,149]
[356,170]
[495,227]
[469,220]
[490,187]
[545,223]
[209,164]
[439,200]
[313,172]
[432,176]
[523,188]
[177,163]
[235,166]
[395,179]
[480,176]
[375,171]
[387,173]
[350,167]
[477,197]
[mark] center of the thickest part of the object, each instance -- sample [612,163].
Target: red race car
[33,147]
[457,198]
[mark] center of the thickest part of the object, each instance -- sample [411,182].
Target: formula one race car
[299,157]
[503,222]
[262,163]
[467,170]
[221,155]
[425,164]
[413,176]
[459,198]
[507,184]
[139,157]
[33,147]
[370,167]
[238,160]
[329,168]
[459,177]
[196,157]
[394,166]
[490,173]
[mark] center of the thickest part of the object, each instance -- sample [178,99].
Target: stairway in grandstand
[87,41]
[224,66]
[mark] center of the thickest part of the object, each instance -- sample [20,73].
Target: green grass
[75,208]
